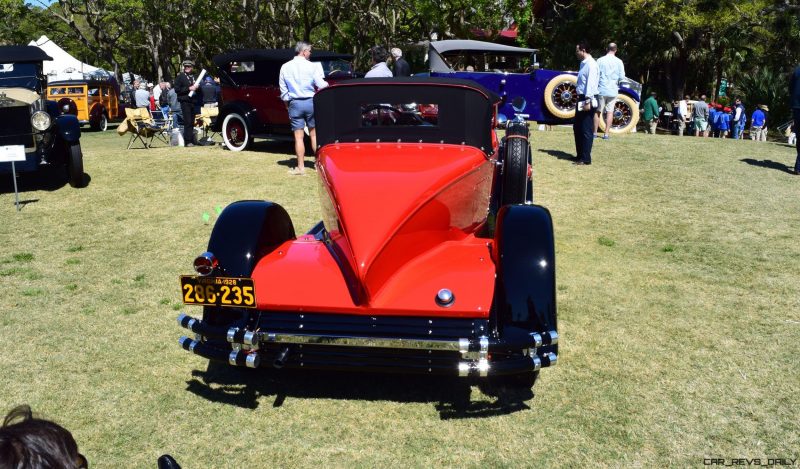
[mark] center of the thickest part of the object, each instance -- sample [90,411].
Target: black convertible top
[19,54]
[272,55]
[465,111]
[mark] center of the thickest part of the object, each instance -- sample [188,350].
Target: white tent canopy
[63,66]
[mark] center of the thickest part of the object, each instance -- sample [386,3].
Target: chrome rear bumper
[519,351]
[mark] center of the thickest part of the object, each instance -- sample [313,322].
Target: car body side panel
[428,194]
[265,99]
[465,267]
[508,85]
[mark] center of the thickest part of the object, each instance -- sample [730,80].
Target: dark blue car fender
[68,128]
[524,251]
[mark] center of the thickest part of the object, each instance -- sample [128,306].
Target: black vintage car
[32,127]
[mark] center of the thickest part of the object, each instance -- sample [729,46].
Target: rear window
[399,115]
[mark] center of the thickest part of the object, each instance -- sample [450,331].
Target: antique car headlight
[40,120]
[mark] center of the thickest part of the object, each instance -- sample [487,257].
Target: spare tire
[72,108]
[516,165]
[626,115]
[560,96]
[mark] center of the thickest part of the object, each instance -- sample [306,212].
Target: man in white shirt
[299,79]
[612,71]
[683,115]
[587,90]
[379,68]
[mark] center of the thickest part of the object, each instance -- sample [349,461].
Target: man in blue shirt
[756,124]
[298,81]
[612,70]
[587,90]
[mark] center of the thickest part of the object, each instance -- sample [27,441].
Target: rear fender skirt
[247,230]
[68,128]
[524,250]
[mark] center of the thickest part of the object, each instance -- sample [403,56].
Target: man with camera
[587,89]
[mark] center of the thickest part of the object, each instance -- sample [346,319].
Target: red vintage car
[430,258]
[251,100]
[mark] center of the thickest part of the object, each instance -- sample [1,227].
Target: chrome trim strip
[382,342]
[549,359]
[537,363]
[250,338]
[537,339]
[484,351]
[483,367]
[252,360]
[480,368]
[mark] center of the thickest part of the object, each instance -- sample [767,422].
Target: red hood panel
[395,201]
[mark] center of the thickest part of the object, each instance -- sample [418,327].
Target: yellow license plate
[218,291]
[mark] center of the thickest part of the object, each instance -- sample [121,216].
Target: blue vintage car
[514,71]
[34,132]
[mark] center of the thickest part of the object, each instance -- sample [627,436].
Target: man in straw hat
[184,84]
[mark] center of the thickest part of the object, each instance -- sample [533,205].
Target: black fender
[68,128]
[524,253]
[242,108]
[245,232]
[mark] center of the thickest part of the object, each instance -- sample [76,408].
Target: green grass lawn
[679,310]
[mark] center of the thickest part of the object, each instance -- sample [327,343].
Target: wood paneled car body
[94,101]
[430,258]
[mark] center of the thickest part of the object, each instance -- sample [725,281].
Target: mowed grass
[679,309]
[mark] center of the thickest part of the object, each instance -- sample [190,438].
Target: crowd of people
[596,87]
[699,117]
[176,101]
[596,90]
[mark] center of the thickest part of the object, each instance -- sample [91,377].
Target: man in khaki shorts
[612,71]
